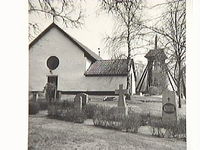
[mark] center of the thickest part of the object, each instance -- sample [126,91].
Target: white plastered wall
[71,69]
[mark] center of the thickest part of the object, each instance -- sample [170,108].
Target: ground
[50,134]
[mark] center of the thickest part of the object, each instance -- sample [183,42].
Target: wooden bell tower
[155,66]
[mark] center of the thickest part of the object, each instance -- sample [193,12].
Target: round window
[52,62]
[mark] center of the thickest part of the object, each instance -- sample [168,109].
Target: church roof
[155,52]
[88,53]
[117,67]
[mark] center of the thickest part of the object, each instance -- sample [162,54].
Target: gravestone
[35,96]
[122,106]
[59,95]
[78,103]
[85,99]
[169,108]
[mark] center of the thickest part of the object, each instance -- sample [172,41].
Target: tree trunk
[184,88]
[129,75]
[129,65]
[179,84]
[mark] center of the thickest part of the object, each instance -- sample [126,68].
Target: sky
[98,25]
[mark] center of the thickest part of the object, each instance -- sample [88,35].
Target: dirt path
[50,134]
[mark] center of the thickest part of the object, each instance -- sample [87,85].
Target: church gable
[87,52]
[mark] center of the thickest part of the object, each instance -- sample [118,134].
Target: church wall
[105,83]
[71,69]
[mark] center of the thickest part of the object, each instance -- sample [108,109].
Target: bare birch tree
[127,29]
[173,32]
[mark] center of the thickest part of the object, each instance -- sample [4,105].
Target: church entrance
[53,79]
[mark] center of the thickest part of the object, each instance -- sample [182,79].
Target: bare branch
[65,11]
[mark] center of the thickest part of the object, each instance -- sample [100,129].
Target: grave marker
[78,103]
[59,95]
[84,98]
[121,101]
[35,96]
[169,108]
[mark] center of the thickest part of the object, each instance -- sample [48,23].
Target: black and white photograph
[107,75]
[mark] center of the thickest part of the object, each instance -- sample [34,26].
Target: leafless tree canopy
[127,14]
[65,11]
[171,26]
[127,28]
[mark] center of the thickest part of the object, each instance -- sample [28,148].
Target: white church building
[55,56]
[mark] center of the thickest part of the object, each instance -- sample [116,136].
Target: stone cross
[169,108]
[122,106]
[121,92]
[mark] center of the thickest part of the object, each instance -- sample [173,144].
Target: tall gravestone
[35,96]
[122,106]
[59,95]
[169,108]
[78,103]
[84,98]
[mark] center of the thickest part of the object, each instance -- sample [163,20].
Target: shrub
[112,118]
[145,118]
[54,110]
[132,122]
[62,105]
[157,125]
[153,90]
[178,130]
[43,105]
[67,104]
[182,125]
[106,117]
[33,108]
[71,115]
[79,117]
[89,110]
[181,128]
[65,111]
[67,115]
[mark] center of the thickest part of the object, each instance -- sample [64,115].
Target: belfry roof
[155,53]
